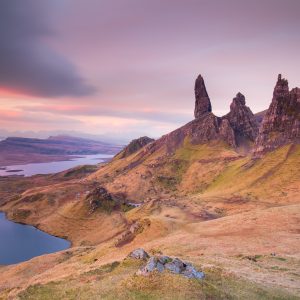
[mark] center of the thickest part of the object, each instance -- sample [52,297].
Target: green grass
[118,281]
[273,173]
[81,171]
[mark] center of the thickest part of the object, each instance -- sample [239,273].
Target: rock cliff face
[239,128]
[199,131]
[241,119]
[202,105]
[281,123]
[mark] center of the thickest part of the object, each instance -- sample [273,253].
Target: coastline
[36,226]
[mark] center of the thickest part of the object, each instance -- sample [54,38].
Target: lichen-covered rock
[173,265]
[191,272]
[281,123]
[163,259]
[139,254]
[160,267]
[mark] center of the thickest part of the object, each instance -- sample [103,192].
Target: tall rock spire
[202,105]
[281,88]
[281,123]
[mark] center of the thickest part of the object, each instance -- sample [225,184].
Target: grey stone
[164,259]
[162,262]
[139,254]
[191,272]
[160,267]
[178,263]
[151,264]
[172,268]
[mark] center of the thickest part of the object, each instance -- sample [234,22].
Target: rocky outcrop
[139,254]
[202,105]
[241,119]
[129,235]
[100,197]
[163,263]
[199,131]
[281,123]
[238,126]
[134,146]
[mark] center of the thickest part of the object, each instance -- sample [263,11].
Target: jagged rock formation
[134,146]
[281,123]
[236,127]
[202,105]
[241,119]
[240,127]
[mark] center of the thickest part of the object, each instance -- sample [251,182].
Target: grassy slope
[118,281]
[248,205]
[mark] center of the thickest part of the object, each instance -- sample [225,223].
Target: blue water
[54,167]
[22,242]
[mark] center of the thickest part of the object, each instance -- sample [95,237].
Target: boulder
[163,259]
[139,254]
[191,272]
[174,265]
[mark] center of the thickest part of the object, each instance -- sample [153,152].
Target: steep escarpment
[281,123]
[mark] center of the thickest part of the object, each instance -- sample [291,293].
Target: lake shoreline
[36,227]
[42,158]
[56,166]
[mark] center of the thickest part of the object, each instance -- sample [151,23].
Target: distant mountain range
[15,150]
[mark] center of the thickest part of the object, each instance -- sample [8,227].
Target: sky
[120,69]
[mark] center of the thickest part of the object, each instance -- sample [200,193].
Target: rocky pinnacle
[202,105]
[242,119]
[281,123]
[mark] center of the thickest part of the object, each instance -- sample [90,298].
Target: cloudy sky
[124,68]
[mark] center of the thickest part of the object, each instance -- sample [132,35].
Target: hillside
[219,192]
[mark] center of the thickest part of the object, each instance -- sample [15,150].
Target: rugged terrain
[16,150]
[220,192]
